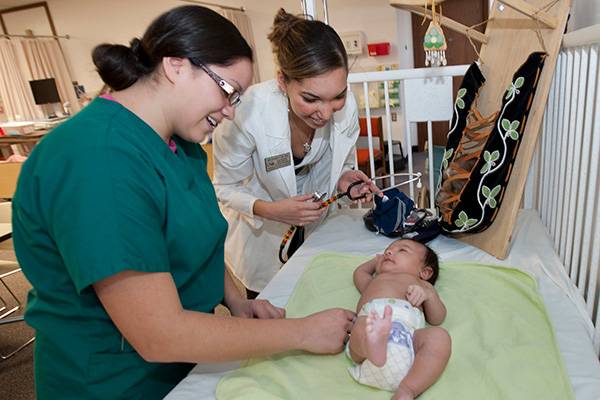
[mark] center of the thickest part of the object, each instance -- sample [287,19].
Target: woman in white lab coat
[291,137]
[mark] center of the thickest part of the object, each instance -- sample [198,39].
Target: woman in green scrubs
[116,226]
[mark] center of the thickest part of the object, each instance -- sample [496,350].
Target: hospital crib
[563,184]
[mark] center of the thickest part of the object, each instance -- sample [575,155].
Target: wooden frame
[529,10]
[449,23]
[510,40]
[42,4]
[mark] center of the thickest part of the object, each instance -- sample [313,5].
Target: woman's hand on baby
[261,309]
[325,332]
[367,188]
[297,210]
[416,295]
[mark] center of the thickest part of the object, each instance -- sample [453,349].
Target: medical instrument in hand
[347,193]
[318,197]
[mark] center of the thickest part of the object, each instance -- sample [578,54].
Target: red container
[379,49]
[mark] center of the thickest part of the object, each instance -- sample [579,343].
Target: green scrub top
[101,194]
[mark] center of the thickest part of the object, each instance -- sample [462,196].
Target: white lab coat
[261,130]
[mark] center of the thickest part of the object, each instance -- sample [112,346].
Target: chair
[362,148]
[9,268]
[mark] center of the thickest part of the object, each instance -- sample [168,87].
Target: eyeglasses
[233,96]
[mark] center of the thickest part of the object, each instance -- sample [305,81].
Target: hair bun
[305,48]
[283,18]
[137,48]
[282,25]
[117,65]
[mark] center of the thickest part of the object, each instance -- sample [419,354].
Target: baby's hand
[416,295]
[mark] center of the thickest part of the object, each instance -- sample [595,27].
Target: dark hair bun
[282,24]
[117,65]
[140,53]
[305,48]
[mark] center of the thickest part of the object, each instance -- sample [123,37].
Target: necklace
[306,146]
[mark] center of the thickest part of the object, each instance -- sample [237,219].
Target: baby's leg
[432,351]
[369,337]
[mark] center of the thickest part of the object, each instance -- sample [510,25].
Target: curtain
[242,22]
[45,59]
[14,88]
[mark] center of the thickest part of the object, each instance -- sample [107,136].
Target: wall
[584,13]
[91,22]
[380,23]
[34,19]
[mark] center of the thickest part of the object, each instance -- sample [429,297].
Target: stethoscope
[318,197]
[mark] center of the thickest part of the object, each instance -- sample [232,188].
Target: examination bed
[531,252]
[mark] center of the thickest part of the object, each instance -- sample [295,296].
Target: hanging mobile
[434,42]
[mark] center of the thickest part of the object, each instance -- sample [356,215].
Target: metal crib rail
[564,180]
[402,75]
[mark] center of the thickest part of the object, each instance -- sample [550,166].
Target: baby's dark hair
[431,260]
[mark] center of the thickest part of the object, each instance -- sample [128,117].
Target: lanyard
[318,197]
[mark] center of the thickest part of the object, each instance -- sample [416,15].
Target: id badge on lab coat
[279,161]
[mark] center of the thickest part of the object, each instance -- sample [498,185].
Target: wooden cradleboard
[509,38]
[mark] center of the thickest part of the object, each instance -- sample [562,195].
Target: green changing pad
[503,344]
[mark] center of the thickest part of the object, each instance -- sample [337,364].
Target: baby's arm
[363,275]
[426,295]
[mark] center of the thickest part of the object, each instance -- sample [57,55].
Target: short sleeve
[108,215]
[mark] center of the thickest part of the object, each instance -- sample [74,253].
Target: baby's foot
[403,393]
[378,330]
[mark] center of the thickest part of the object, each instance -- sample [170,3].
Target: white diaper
[400,353]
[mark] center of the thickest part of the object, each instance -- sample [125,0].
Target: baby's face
[404,256]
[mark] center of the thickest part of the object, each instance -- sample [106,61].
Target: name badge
[279,161]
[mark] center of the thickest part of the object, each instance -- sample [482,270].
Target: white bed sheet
[531,251]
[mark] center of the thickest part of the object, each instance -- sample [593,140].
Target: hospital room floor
[16,373]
